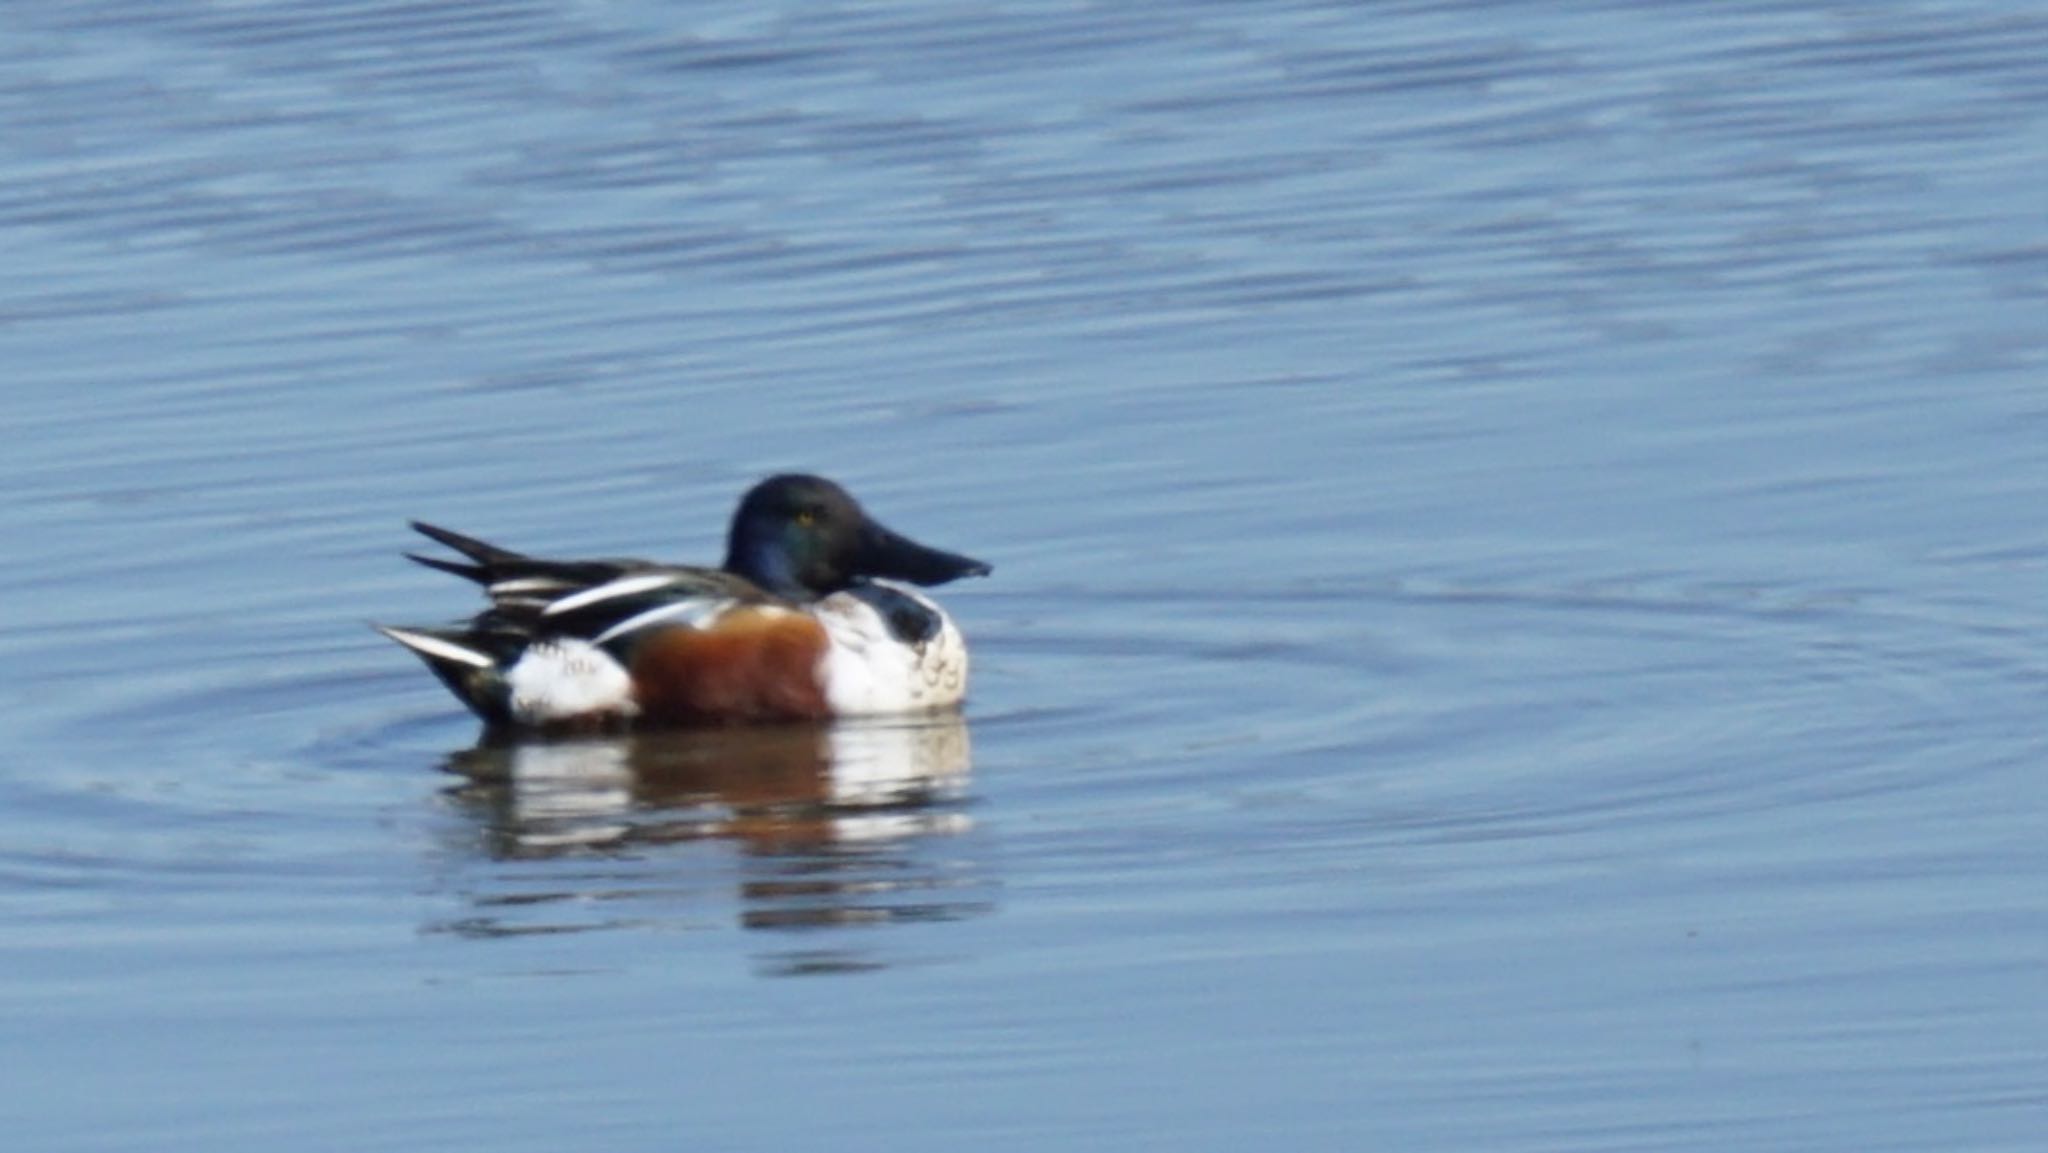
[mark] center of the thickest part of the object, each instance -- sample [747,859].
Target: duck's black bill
[896,557]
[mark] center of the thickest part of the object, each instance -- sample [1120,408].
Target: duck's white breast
[867,670]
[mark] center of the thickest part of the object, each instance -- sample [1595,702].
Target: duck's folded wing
[600,601]
[642,598]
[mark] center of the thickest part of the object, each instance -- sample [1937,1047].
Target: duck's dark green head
[804,537]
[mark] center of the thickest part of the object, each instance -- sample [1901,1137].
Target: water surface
[1518,601]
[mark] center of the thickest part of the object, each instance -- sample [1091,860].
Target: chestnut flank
[749,664]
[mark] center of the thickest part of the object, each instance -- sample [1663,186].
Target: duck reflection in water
[837,824]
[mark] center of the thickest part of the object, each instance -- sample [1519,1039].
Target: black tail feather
[488,565]
[482,552]
[465,571]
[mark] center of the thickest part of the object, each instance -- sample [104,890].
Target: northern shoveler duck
[797,624]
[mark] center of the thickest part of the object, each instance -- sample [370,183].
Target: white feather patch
[436,647]
[559,680]
[690,614]
[623,587]
[527,586]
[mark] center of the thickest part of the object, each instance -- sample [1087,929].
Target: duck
[814,615]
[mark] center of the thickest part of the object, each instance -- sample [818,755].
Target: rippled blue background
[1519,547]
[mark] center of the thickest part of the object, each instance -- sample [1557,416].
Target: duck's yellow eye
[806,518]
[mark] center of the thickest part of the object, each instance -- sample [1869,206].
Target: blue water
[1518,615]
